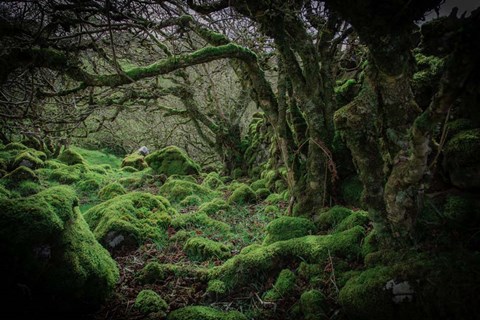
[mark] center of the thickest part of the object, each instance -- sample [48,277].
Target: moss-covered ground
[202,246]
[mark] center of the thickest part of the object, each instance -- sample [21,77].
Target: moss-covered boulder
[129,220]
[172,160]
[29,159]
[110,191]
[285,228]
[48,248]
[256,263]
[71,157]
[177,190]
[216,287]
[199,220]
[329,219]
[284,284]
[150,303]
[462,159]
[216,206]
[19,175]
[242,195]
[212,181]
[134,160]
[204,313]
[312,305]
[201,249]
[153,272]
[190,201]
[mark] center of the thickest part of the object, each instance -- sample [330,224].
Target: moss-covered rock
[48,247]
[242,195]
[199,220]
[329,219]
[28,188]
[172,160]
[191,200]
[204,313]
[88,185]
[15,146]
[19,175]
[153,272]
[285,228]
[284,284]
[28,159]
[129,220]
[71,157]
[110,191]
[356,218]
[370,243]
[462,159]
[258,184]
[262,193]
[255,263]
[312,305]
[134,160]
[216,287]
[148,302]
[212,181]
[177,190]
[216,206]
[201,249]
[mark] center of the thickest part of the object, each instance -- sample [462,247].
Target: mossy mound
[153,272]
[254,264]
[331,218]
[212,181]
[28,188]
[134,160]
[149,302]
[201,249]
[19,175]
[216,206]
[285,228]
[199,220]
[172,160]
[29,159]
[312,305]
[71,157]
[356,218]
[15,146]
[177,190]
[258,184]
[48,247]
[129,220]
[284,284]
[110,191]
[462,159]
[88,185]
[68,174]
[204,313]
[242,195]
[216,287]
[192,200]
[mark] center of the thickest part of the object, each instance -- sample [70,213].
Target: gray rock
[143,151]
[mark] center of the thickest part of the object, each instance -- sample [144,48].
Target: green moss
[204,313]
[212,181]
[258,184]
[171,160]
[4,193]
[191,200]
[15,146]
[216,287]
[285,228]
[329,219]
[356,218]
[27,188]
[49,248]
[351,190]
[71,157]
[129,169]
[312,305]
[129,219]
[177,190]
[284,284]
[28,159]
[242,195]
[154,272]
[65,175]
[252,265]
[182,236]
[110,191]
[134,160]
[18,175]
[370,243]
[201,249]
[199,220]
[54,164]
[216,206]
[274,198]
[88,185]
[262,193]
[460,209]
[148,301]
[271,209]
[250,248]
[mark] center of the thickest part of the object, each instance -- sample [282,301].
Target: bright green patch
[285,228]
[201,249]
[284,284]
[71,157]
[177,190]
[110,191]
[148,301]
[204,313]
[242,195]
[171,160]
[134,160]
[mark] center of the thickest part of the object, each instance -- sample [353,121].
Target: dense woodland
[239,159]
